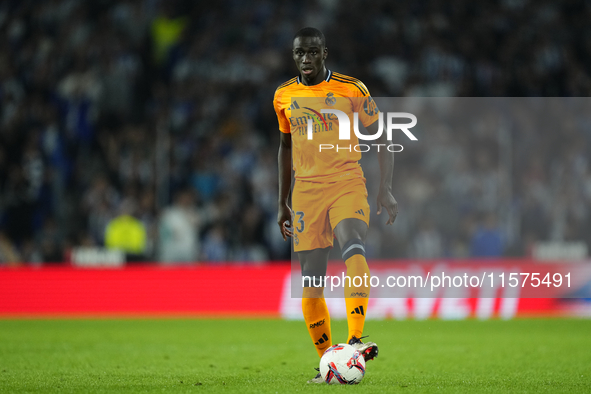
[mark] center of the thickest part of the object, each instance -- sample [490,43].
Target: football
[342,364]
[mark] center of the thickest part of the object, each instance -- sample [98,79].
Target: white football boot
[369,350]
[317,379]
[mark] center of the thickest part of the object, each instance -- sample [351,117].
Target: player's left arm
[386,159]
[369,116]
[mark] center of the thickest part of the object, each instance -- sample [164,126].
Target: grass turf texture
[269,356]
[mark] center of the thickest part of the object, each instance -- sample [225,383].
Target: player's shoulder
[284,88]
[351,83]
[286,84]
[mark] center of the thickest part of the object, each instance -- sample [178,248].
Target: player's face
[309,55]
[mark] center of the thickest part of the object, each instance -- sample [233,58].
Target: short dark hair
[311,32]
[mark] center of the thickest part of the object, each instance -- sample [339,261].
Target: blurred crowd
[155,118]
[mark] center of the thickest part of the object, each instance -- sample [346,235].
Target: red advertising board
[142,290]
[234,291]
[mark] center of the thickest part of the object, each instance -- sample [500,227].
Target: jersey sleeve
[284,125]
[365,106]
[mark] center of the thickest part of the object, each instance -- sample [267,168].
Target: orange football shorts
[319,207]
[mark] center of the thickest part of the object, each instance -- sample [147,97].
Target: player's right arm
[284,160]
[280,103]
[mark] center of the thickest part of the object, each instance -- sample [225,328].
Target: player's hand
[386,200]
[284,219]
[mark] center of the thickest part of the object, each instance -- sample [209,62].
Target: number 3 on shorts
[300,224]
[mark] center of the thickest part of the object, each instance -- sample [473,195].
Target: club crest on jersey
[330,99]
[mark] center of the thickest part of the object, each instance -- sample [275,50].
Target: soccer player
[329,197]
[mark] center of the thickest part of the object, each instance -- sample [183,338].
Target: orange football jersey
[313,159]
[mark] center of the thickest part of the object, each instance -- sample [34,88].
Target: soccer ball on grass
[342,364]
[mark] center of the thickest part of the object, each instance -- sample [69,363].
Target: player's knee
[313,280]
[313,292]
[353,247]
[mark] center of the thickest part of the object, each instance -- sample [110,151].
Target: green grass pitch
[275,356]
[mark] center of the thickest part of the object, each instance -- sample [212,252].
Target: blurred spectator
[19,202]
[49,245]
[127,233]
[428,243]
[460,242]
[8,253]
[166,31]
[215,246]
[51,252]
[487,240]
[251,239]
[32,255]
[99,203]
[179,229]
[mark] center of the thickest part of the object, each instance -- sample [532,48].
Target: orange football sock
[318,322]
[356,297]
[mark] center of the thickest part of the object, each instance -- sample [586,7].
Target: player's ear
[325,53]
